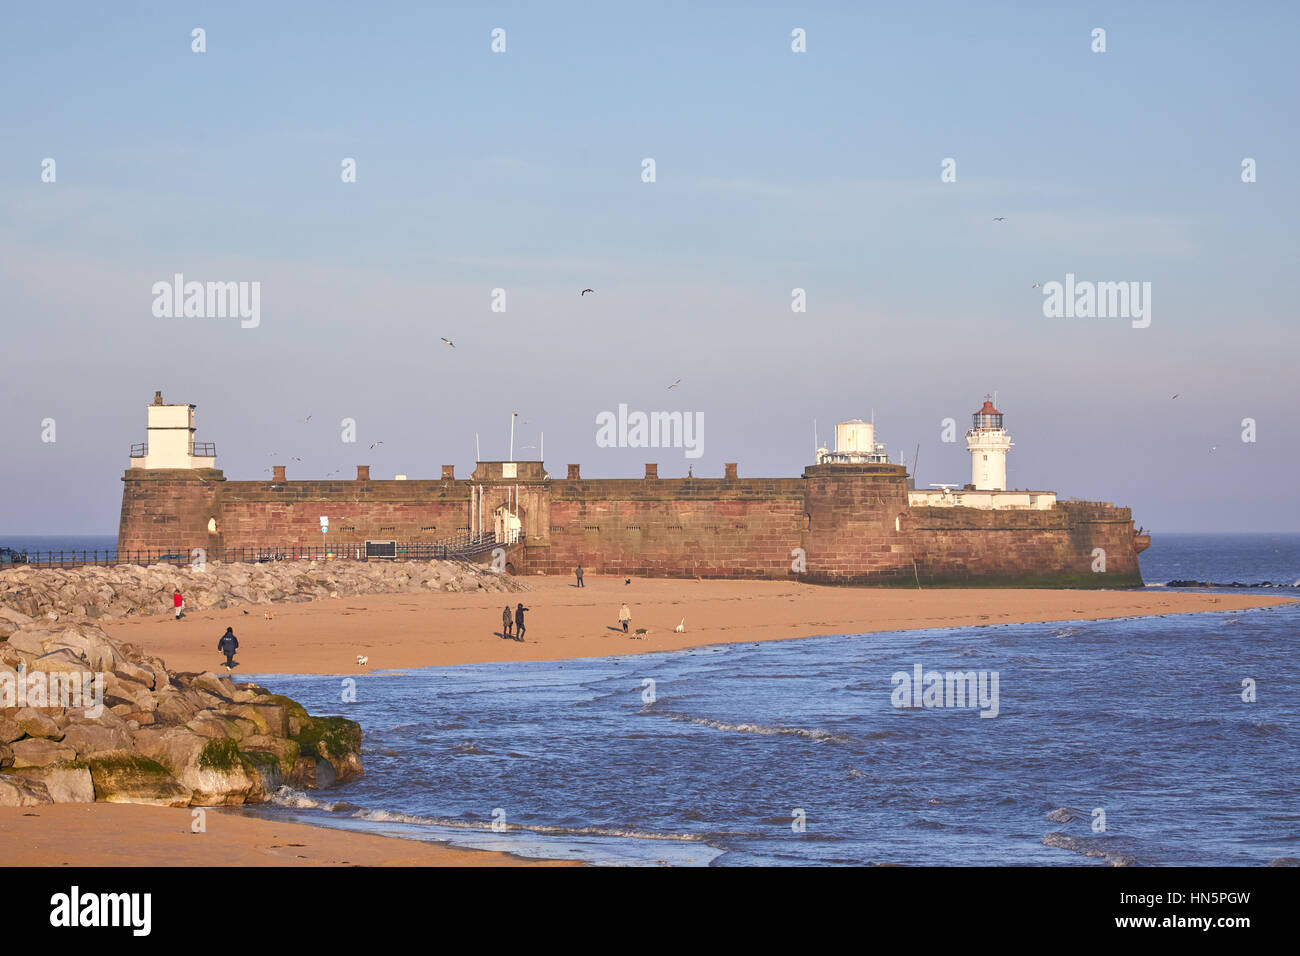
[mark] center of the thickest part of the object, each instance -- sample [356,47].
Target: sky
[774,170]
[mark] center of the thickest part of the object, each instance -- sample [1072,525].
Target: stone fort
[852,517]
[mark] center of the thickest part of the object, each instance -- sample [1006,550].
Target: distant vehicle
[8,557]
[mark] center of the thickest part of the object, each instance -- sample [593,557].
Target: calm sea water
[1142,719]
[59,542]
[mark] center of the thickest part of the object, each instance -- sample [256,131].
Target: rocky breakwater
[86,718]
[125,590]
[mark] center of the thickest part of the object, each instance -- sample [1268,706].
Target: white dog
[362,660]
[681,628]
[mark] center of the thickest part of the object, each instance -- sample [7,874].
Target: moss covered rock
[126,777]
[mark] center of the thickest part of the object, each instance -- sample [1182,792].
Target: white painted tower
[988,443]
[171,440]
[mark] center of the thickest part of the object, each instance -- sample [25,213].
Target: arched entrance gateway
[506,525]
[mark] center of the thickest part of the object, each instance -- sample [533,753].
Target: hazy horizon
[775,170]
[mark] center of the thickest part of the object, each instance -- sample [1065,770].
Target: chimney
[277,474]
[651,471]
[448,472]
[363,472]
[731,471]
[573,473]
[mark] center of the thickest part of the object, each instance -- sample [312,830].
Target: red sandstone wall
[969,546]
[853,527]
[256,514]
[168,510]
[853,535]
[667,527]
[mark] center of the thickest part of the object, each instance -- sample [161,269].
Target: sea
[1151,741]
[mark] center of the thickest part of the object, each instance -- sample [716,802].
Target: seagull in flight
[585,291]
[1175,396]
[1036,285]
[448,341]
[374,443]
[999,218]
[307,420]
[674,384]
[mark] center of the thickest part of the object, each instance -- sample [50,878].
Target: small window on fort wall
[510,469]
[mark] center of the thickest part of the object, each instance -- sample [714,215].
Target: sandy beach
[119,834]
[423,630]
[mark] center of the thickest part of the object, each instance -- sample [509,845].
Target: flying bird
[585,291]
[448,341]
[1213,448]
[1036,285]
[674,384]
[999,218]
[373,444]
[1175,396]
[307,419]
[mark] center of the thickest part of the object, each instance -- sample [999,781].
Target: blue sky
[775,170]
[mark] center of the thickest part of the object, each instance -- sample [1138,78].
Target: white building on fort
[988,443]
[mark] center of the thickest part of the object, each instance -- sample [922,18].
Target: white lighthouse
[988,443]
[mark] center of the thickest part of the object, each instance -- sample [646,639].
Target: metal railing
[198,449]
[457,548]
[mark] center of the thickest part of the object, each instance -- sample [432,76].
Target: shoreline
[405,631]
[411,630]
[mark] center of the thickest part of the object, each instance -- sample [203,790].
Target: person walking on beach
[505,622]
[578,572]
[178,602]
[519,621]
[625,616]
[228,645]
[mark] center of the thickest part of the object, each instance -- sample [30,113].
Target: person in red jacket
[178,602]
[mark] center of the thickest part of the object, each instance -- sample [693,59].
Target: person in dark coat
[228,645]
[519,621]
[578,572]
[506,621]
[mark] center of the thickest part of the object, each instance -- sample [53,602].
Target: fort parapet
[835,524]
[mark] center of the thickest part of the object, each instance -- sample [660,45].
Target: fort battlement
[839,522]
